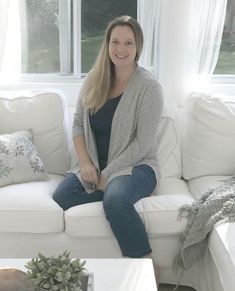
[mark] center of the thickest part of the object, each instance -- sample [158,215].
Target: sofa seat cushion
[199,186]
[222,249]
[89,220]
[29,207]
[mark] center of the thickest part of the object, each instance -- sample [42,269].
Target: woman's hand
[102,183]
[88,171]
[89,174]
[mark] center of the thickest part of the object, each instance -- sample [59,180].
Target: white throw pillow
[209,143]
[19,159]
[44,113]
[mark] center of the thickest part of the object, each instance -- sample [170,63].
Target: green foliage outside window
[96,14]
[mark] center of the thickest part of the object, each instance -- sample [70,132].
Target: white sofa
[199,148]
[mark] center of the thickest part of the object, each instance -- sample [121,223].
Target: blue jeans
[119,198]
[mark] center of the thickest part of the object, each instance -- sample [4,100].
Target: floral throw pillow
[19,159]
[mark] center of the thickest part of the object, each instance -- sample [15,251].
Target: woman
[114,130]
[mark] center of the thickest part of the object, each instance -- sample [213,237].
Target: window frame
[66,51]
[223,78]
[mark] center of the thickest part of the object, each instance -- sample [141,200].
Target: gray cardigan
[134,127]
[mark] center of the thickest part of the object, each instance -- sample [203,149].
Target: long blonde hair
[99,81]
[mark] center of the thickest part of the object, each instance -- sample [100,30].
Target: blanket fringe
[180,275]
[218,206]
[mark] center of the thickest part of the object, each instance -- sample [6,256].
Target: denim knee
[60,197]
[114,196]
[68,186]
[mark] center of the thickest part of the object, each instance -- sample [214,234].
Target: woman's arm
[88,171]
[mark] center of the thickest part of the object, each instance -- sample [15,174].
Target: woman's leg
[70,192]
[119,198]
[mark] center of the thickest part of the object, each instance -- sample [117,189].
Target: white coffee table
[111,274]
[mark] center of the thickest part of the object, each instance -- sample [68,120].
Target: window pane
[226,62]
[40,36]
[96,14]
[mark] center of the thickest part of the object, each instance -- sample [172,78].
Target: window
[40,36]
[95,15]
[226,61]
[62,37]
[47,36]
[54,39]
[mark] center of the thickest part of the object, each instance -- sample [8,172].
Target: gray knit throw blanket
[215,206]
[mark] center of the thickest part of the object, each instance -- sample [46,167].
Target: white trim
[223,79]
[77,37]
[51,78]
[65,36]
[45,78]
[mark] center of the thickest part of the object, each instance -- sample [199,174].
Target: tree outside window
[226,61]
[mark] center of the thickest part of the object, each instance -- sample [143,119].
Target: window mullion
[77,37]
[65,36]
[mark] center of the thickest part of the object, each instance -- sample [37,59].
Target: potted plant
[59,273]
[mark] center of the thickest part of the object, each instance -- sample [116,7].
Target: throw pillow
[19,159]
[209,143]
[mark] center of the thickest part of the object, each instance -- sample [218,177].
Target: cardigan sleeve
[148,120]
[78,122]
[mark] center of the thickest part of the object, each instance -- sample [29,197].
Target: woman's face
[122,46]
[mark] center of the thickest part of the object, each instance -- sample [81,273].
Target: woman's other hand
[102,183]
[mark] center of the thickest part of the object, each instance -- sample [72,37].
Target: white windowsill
[40,78]
[55,78]
[49,78]
[223,79]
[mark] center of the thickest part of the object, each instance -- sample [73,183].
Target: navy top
[101,123]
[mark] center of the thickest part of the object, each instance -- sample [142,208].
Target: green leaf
[39,275]
[36,282]
[67,275]
[59,276]
[46,286]
[41,265]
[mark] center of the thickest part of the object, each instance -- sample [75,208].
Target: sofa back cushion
[43,112]
[209,143]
